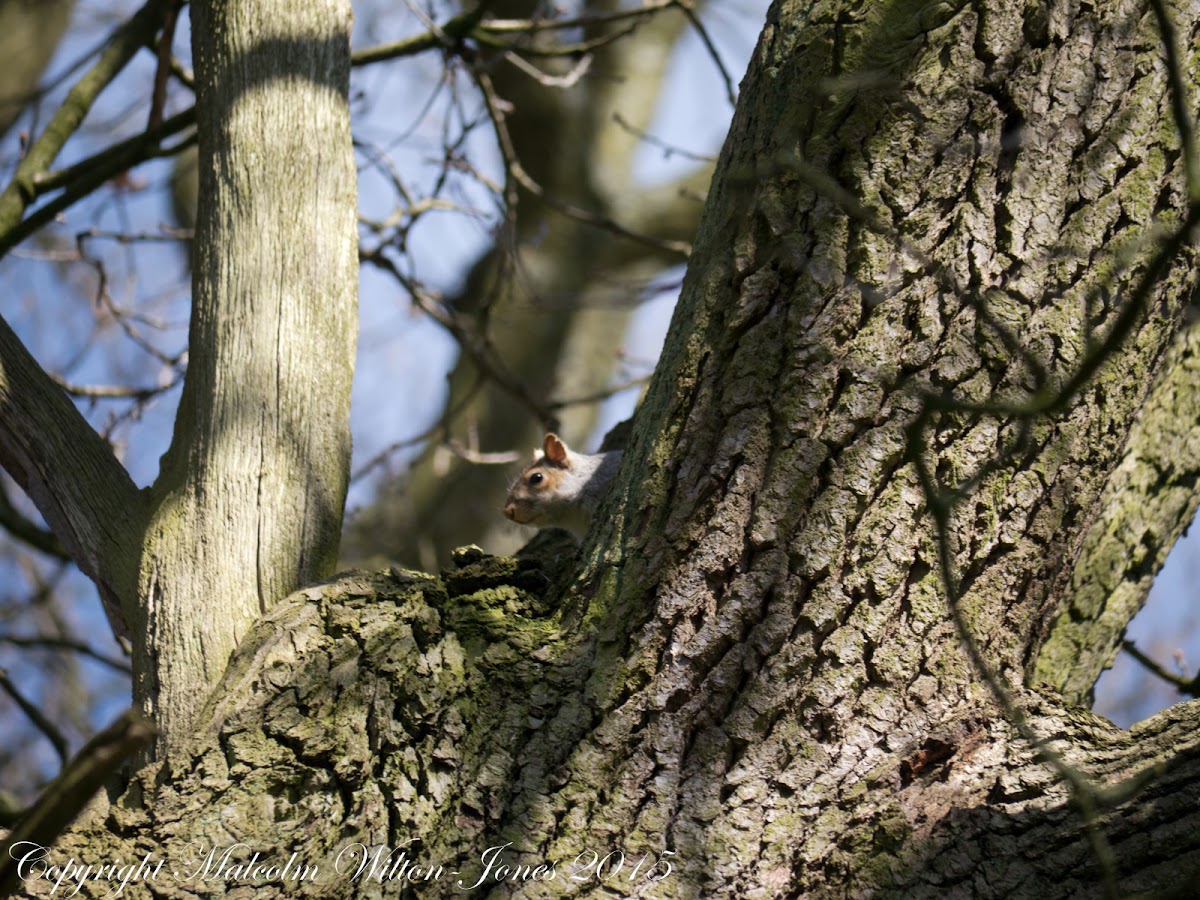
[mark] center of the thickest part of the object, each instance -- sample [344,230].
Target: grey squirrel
[561,487]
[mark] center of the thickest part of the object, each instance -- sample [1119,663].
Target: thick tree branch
[69,472]
[1148,502]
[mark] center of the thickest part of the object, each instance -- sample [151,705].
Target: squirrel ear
[555,450]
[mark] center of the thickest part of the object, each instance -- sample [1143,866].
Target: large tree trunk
[756,669]
[248,505]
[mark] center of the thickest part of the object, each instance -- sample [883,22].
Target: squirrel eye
[535,478]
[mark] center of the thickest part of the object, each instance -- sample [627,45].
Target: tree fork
[248,505]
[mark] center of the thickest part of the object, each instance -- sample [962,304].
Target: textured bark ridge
[377,736]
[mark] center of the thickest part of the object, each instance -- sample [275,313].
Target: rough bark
[755,668]
[248,505]
[1149,501]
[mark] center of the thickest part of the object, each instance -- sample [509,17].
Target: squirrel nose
[510,510]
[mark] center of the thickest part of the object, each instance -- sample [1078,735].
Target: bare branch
[125,42]
[474,344]
[576,72]
[114,391]
[690,11]
[35,715]
[513,165]
[46,642]
[669,150]
[69,472]
[163,72]
[1190,686]
[533,26]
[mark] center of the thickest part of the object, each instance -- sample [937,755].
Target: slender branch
[118,157]
[125,42]
[545,79]
[442,426]
[668,149]
[1184,685]
[479,458]
[59,643]
[495,107]
[690,11]
[83,493]
[475,345]
[590,20]
[114,391]
[163,72]
[520,46]
[456,29]
[35,715]
[600,395]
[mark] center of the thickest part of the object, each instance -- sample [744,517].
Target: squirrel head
[540,484]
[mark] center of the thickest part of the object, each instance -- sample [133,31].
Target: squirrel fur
[561,487]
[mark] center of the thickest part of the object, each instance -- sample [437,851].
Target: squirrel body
[561,487]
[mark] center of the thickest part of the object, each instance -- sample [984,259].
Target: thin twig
[669,150]
[590,20]
[475,345]
[690,11]
[40,722]
[442,425]
[1184,685]
[462,451]
[545,79]
[495,107]
[113,391]
[602,394]
[59,643]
